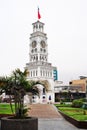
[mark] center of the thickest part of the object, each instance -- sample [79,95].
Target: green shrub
[62,102]
[84,112]
[77,103]
[82,99]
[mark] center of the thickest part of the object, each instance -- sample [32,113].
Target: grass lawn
[76,113]
[63,105]
[5,108]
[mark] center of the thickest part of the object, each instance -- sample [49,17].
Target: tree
[17,85]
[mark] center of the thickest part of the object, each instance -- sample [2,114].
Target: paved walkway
[56,124]
[43,111]
[49,118]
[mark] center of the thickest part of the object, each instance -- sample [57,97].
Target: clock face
[43,44]
[34,43]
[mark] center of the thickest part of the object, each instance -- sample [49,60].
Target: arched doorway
[42,97]
[43,87]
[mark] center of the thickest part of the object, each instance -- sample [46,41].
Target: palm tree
[17,85]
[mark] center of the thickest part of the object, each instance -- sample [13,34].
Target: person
[50,99]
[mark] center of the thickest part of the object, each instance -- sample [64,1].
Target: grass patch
[5,108]
[76,113]
[80,117]
[63,105]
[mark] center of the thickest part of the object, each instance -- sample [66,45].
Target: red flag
[39,16]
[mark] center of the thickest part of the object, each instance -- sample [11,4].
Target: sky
[66,28]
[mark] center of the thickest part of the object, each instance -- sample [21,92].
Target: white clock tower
[38,66]
[38,43]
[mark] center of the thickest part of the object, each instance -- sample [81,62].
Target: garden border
[79,124]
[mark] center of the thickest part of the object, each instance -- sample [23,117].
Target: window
[35,49]
[41,72]
[41,49]
[31,73]
[36,72]
[50,74]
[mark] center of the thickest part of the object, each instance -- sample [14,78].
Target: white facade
[39,68]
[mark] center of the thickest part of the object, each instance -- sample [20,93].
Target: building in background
[79,85]
[75,90]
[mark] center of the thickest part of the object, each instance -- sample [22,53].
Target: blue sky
[66,28]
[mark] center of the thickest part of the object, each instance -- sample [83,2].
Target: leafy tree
[17,85]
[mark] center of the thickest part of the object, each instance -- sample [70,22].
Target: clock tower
[39,68]
[38,43]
